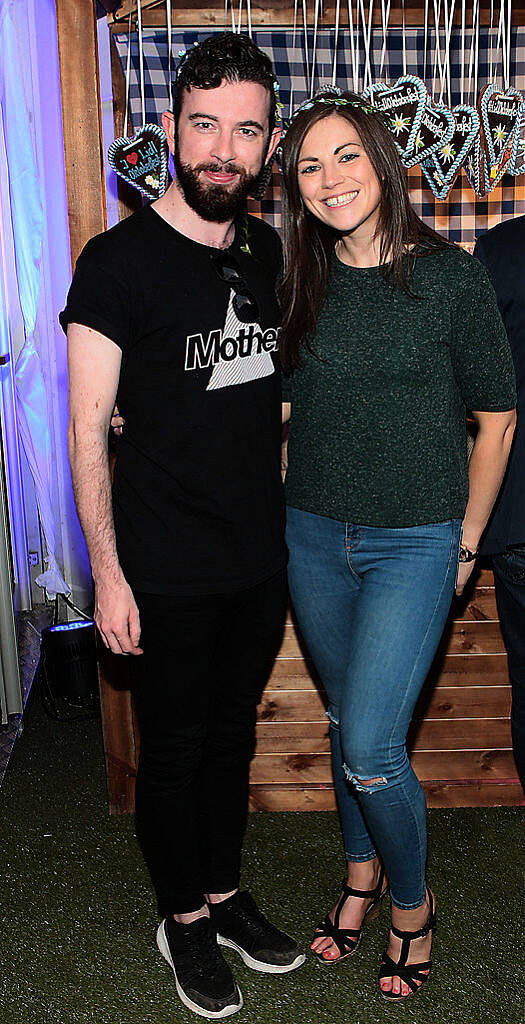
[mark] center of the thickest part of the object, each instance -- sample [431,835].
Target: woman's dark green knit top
[378,435]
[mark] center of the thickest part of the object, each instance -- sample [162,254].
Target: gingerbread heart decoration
[444,166]
[494,175]
[474,168]
[434,178]
[402,106]
[142,160]
[499,111]
[435,132]
[517,157]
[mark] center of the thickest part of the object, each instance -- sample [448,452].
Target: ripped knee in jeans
[364,785]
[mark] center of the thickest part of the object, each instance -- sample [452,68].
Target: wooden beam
[77,47]
[281,12]
[129,198]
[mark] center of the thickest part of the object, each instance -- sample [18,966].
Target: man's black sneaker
[241,926]
[204,981]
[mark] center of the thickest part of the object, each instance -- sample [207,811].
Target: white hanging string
[357,41]
[500,41]
[404,39]
[509,39]
[449,17]
[437,48]
[367,29]
[128,70]
[463,30]
[476,59]
[355,71]
[336,39]
[141,63]
[491,42]
[471,59]
[314,49]
[168,22]
[249,13]
[425,42]
[239,22]
[305,25]
[442,70]
[385,19]
[291,104]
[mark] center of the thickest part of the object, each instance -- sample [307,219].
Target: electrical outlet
[33,558]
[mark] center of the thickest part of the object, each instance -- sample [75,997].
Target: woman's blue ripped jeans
[372,603]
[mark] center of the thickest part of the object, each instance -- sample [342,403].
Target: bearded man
[173,313]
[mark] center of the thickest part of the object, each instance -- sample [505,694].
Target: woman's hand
[117,421]
[464,573]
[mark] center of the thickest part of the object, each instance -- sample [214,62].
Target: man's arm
[94,368]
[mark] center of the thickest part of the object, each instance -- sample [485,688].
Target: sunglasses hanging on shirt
[244,303]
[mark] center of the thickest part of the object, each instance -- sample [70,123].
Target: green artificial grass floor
[77,942]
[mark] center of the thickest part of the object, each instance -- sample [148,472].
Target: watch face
[466,555]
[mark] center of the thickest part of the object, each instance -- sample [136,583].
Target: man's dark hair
[224,57]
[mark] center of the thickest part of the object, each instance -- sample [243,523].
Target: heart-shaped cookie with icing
[142,160]
[402,106]
[517,156]
[435,132]
[444,166]
[499,111]
[474,168]
[493,175]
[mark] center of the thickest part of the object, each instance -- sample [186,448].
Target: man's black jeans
[197,685]
[509,579]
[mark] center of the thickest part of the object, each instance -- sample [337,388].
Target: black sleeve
[100,295]
[479,252]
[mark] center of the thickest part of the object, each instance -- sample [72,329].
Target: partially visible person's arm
[94,368]
[286,415]
[486,471]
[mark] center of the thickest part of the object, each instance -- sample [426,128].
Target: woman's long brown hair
[308,243]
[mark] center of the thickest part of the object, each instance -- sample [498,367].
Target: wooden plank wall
[459,740]
[270,13]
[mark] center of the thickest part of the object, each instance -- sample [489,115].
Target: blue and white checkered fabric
[462,217]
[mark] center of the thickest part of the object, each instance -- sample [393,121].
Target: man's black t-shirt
[197,493]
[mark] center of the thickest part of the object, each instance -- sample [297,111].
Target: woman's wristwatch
[466,554]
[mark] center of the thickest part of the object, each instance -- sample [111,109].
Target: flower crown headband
[332,95]
[184,54]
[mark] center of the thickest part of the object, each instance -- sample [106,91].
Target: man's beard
[215,203]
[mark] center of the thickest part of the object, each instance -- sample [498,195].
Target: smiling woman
[389,334]
[342,188]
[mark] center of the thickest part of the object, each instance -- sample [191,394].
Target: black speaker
[70,661]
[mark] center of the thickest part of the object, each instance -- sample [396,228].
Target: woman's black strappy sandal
[347,939]
[411,974]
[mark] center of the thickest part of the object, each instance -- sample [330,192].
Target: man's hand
[117,617]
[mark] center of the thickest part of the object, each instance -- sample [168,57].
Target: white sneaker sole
[260,965]
[164,948]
